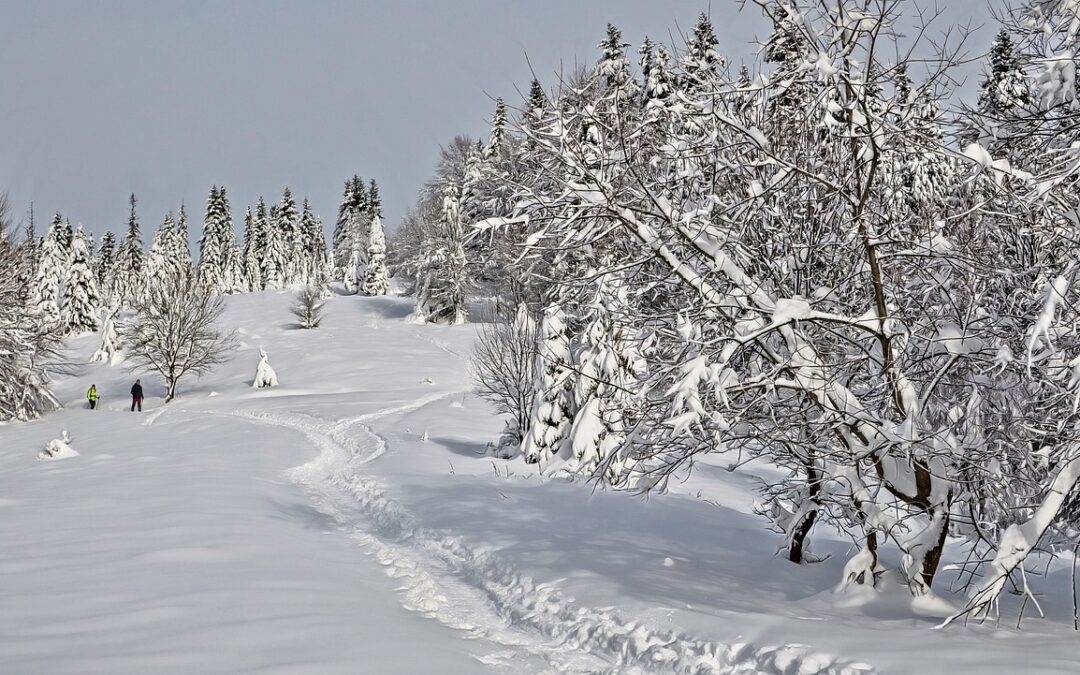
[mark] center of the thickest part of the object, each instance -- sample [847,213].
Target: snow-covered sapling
[309,306]
[264,374]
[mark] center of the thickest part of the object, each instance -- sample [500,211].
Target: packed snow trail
[476,592]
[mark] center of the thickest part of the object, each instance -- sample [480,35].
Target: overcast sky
[164,98]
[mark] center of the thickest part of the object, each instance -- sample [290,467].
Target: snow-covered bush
[58,448]
[264,373]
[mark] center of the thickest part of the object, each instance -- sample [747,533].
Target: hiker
[136,396]
[91,395]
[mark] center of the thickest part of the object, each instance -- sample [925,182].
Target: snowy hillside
[347,521]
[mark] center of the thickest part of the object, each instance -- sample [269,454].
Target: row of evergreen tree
[70,281]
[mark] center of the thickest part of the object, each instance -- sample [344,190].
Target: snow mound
[58,449]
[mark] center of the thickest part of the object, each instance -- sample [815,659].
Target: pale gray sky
[163,98]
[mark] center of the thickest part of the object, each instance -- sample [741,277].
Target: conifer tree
[613,67]
[159,269]
[214,244]
[181,247]
[537,101]
[52,261]
[288,224]
[549,422]
[376,279]
[274,254]
[341,227]
[79,313]
[497,140]
[702,62]
[130,261]
[607,366]
[1004,87]
[105,266]
[313,245]
[655,72]
[441,291]
[252,268]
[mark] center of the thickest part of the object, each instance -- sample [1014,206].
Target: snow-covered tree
[274,255]
[608,365]
[216,242]
[253,241]
[308,307]
[376,279]
[264,373]
[287,224]
[79,313]
[128,280]
[109,348]
[441,291]
[552,412]
[53,259]
[175,333]
[105,264]
[24,345]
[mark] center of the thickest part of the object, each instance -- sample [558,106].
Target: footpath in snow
[347,521]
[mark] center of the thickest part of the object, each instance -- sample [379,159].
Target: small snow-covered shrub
[264,374]
[309,307]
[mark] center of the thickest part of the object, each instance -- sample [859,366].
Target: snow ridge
[449,580]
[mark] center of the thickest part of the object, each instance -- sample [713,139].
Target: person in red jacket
[136,396]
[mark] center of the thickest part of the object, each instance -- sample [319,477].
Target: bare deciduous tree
[175,333]
[504,367]
[309,306]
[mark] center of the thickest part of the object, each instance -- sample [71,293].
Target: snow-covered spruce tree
[158,269]
[339,236]
[376,279]
[497,139]
[52,264]
[176,334]
[130,261]
[308,307]
[552,412]
[441,293]
[701,62]
[274,255]
[109,348]
[288,227]
[216,241]
[608,366]
[105,265]
[313,246]
[79,313]
[235,280]
[24,345]
[252,242]
[180,256]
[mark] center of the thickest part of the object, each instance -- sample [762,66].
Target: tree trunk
[171,393]
[798,537]
[933,556]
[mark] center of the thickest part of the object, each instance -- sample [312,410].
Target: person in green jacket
[91,395]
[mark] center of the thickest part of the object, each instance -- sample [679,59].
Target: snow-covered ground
[348,521]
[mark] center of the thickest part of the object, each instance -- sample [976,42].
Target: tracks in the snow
[535,625]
